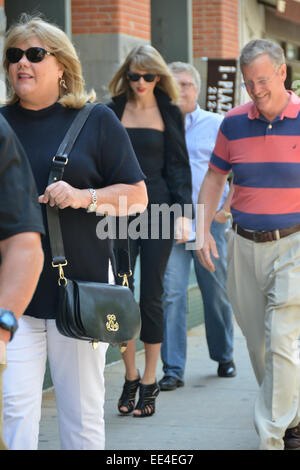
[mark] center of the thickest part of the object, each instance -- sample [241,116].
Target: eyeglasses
[33,54]
[134,77]
[263,82]
[185,85]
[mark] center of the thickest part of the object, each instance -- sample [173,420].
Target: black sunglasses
[33,54]
[134,77]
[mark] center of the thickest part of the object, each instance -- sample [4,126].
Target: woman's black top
[148,145]
[174,168]
[102,156]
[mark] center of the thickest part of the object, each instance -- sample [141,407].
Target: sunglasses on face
[33,54]
[134,77]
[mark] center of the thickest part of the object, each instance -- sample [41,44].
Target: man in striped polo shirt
[260,143]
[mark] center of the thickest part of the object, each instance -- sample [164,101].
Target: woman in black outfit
[143,96]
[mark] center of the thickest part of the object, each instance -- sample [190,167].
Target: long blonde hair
[56,41]
[148,59]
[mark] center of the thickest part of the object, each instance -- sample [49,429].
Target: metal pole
[68,18]
[189,14]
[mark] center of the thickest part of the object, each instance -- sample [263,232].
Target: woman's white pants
[77,372]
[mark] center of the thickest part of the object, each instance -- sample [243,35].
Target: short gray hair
[184,67]
[258,47]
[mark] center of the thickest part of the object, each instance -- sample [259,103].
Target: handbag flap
[108,312]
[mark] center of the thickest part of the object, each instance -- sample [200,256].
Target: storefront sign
[289,10]
[221,82]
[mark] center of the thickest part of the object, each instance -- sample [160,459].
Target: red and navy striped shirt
[265,160]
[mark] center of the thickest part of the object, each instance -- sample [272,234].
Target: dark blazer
[177,172]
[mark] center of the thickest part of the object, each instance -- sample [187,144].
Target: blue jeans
[217,309]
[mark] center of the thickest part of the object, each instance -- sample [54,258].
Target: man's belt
[262,237]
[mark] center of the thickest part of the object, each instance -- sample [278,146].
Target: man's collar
[190,117]
[290,111]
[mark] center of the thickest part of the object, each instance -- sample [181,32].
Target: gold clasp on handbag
[61,272]
[125,278]
[112,324]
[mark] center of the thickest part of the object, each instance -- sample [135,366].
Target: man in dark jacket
[20,244]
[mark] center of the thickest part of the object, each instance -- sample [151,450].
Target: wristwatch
[93,206]
[8,321]
[227,214]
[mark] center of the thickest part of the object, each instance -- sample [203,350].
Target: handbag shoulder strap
[60,160]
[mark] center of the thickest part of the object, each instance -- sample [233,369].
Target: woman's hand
[182,230]
[62,195]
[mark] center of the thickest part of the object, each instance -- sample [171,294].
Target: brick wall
[131,17]
[215,28]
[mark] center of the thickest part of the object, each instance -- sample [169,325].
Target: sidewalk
[208,413]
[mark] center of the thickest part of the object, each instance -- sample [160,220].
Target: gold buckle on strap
[61,272]
[125,278]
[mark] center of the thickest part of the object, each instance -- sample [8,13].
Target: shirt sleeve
[220,158]
[19,207]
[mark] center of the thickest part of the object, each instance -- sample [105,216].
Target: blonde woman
[144,96]
[47,91]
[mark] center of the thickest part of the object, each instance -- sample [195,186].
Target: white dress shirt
[201,129]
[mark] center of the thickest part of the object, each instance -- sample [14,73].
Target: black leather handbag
[91,311]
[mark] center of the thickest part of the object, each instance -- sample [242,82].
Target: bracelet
[93,206]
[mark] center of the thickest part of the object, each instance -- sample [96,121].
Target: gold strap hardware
[61,272]
[125,278]
[122,347]
[125,281]
[65,161]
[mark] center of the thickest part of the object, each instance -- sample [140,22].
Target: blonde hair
[56,41]
[148,59]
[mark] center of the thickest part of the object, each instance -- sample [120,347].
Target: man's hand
[4,335]
[2,352]
[22,256]
[204,255]
[182,230]
[222,216]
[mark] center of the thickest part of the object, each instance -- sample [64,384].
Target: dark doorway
[53,11]
[170,29]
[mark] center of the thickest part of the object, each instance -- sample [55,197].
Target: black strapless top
[149,147]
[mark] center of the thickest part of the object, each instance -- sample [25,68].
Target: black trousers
[154,255]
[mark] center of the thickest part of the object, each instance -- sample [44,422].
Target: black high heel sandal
[146,403]
[128,395]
